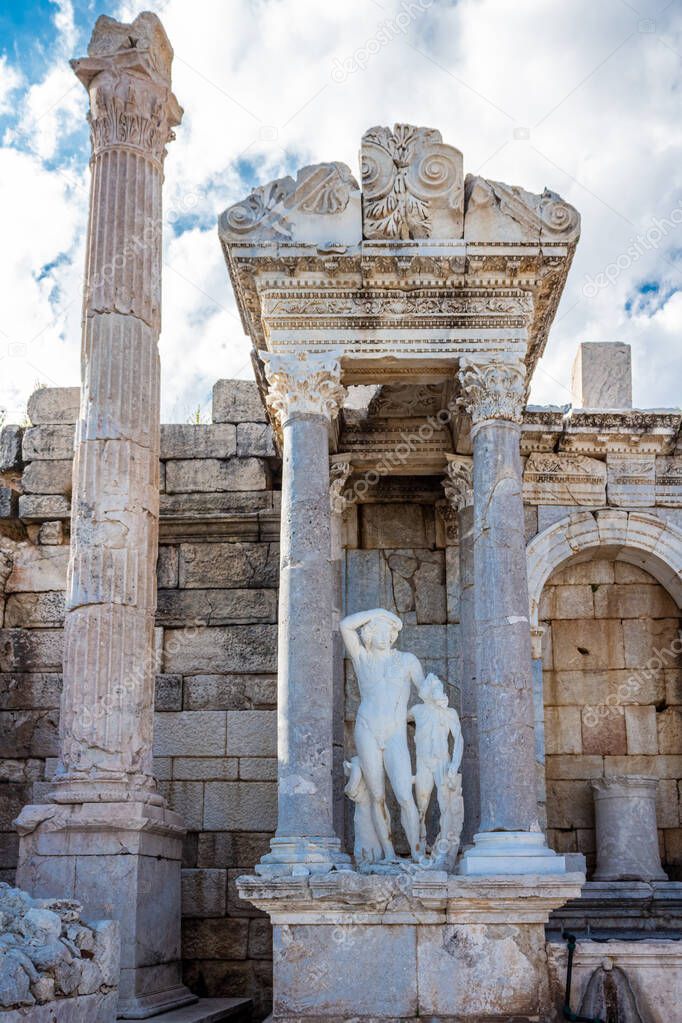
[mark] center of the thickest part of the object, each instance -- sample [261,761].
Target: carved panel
[550,479]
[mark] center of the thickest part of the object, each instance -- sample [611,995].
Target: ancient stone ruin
[352,703]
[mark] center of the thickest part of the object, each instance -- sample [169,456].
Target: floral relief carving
[493,389]
[304,384]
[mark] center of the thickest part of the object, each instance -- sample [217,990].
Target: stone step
[210,1010]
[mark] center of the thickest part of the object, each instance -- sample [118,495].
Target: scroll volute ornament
[493,389]
[304,384]
[412,184]
[128,76]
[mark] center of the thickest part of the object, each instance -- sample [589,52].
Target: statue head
[381,631]
[432,691]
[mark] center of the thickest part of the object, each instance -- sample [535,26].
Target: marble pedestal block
[424,944]
[626,834]
[121,861]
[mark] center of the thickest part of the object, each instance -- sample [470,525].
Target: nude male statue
[435,722]
[385,677]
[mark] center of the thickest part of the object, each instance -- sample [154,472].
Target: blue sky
[583,98]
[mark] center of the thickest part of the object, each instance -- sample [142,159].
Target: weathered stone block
[651,643]
[167,567]
[368,581]
[216,607]
[31,650]
[260,939]
[569,804]
[204,893]
[255,439]
[49,443]
[229,565]
[47,477]
[228,648]
[604,731]
[38,569]
[54,405]
[168,692]
[199,768]
[669,724]
[567,602]
[38,507]
[602,375]
[667,804]
[240,806]
[570,768]
[50,534]
[640,729]
[10,448]
[595,572]
[634,600]
[587,645]
[186,732]
[35,610]
[185,476]
[9,503]
[197,440]
[229,692]
[258,768]
[216,939]
[562,730]
[216,849]
[29,733]
[186,798]
[252,733]
[397,526]
[236,401]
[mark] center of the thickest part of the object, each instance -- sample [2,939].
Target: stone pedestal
[510,839]
[121,860]
[626,835]
[305,395]
[111,843]
[398,947]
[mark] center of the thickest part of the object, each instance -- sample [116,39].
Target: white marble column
[104,799]
[459,490]
[106,720]
[510,839]
[305,396]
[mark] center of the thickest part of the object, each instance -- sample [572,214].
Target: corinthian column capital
[127,73]
[493,389]
[304,384]
[458,484]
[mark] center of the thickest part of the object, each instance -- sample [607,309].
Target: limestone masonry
[354,702]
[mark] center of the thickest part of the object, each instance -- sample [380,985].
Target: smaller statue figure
[435,722]
[367,847]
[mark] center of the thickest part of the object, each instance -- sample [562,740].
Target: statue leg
[399,771]
[423,787]
[372,763]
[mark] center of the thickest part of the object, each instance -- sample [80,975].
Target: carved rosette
[459,484]
[127,75]
[492,389]
[303,384]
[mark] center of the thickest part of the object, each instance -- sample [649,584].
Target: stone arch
[639,538]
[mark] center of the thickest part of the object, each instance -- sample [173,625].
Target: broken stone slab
[255,439]
[10,448]
[50,405]
[602,375]
[48,442]
[183,440]
[43,477]
[237,401]
[8,503]
[506,213]
[39,507]
[209,475]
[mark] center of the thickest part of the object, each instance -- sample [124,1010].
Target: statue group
[385,679]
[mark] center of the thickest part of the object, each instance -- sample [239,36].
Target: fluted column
[459,490]
[510,839]
[106,721]
[305,396]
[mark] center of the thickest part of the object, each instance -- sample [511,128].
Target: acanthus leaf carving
[493,389]
[303,383]
[458,484]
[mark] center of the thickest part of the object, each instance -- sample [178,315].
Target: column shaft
[467,620]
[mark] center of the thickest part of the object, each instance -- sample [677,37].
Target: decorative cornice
[458,484]
[303,384]
[128,77]
[492,389]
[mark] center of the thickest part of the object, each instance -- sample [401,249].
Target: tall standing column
[305,396]
[510,839]
[459,490]
[108,838]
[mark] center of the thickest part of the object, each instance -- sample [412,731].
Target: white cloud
[10,81]
[596,86]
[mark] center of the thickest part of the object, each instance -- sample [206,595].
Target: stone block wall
[612,685]
[215,729]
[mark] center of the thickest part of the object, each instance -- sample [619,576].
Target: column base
[303,856]
[105,788]
[121,861]
[510,852]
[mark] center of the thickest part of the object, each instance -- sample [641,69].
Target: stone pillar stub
[104,798]
[602,375]
[510,839]
[626,834]
[305,396]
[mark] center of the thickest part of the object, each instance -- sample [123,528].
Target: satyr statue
[385,678]
[434,723]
